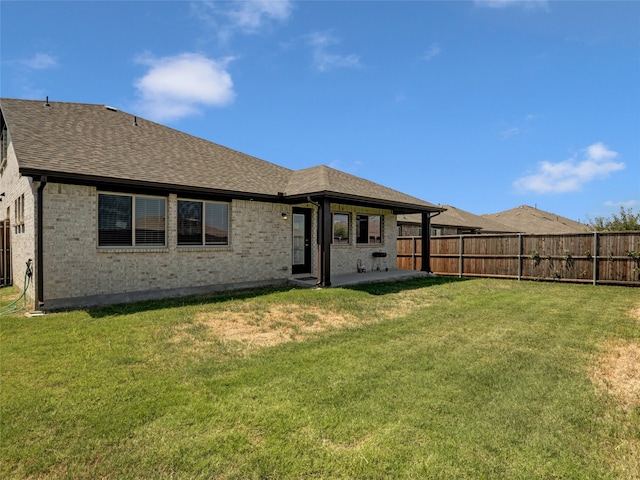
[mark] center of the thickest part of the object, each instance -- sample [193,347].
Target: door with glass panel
[301,238]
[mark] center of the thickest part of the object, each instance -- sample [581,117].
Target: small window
[203,223]
[341,228]
[18,214]
[369,229]
[127,220]
[4,147]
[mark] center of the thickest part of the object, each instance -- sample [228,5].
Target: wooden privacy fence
[597,258]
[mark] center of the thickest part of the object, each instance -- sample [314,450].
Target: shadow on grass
[403,285]
[219,297]
[178,302]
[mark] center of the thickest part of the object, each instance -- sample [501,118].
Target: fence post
[595,258]
[414,253]
[519,256]
[461,266]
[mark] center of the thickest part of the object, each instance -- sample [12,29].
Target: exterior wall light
[285,215]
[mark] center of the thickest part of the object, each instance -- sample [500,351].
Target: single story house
[112,208]
[531,220]
[452,221]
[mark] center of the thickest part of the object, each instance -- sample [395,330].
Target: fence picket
[597,258]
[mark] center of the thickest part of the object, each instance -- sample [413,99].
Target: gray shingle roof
[455,217]
[87,141]
[323,179]
[526,219]
[95,141]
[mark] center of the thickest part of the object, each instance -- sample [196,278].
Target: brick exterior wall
[259,252]
[344,258]
[78,273]
[15,187]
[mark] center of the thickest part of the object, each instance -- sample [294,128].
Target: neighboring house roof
[455,217]
[526,219]
[100,144]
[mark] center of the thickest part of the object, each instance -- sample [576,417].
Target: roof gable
[337,184]
[526,219]
[102,144]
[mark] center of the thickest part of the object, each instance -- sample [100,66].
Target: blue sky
[483,105]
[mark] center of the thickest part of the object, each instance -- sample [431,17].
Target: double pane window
[127,220]
[203,223]
[340,228]
[369,229]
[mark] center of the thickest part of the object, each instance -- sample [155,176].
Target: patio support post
[426,242]
[324,239]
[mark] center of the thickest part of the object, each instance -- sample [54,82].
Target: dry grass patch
[406,302]
[277,324]
[618,373]
[617,370]
[262,328]
[250,326]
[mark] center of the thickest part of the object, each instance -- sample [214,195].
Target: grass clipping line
[617,370]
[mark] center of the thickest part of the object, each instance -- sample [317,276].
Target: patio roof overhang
[337,197]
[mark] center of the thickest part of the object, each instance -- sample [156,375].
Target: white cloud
[626,203]
[245,16]
[432,51]
[40,61]
[251,15]
[177,86]
[529,4]
[325,61]
[570,175]
[400,97]
[510,132]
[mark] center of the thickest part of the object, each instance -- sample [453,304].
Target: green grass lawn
[437,378]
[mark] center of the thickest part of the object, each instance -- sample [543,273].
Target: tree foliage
[623,221]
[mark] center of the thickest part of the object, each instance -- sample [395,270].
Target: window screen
[128,220]
[114,220]
[369,229]
[340,228]
[150,221]
[189,222]
[216,223]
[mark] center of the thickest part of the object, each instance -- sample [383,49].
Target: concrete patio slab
[392,275]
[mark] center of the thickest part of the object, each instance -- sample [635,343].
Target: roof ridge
[324,175]
[78,141]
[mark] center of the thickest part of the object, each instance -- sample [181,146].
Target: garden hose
[13,306]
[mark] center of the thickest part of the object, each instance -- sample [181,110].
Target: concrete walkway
[393,275]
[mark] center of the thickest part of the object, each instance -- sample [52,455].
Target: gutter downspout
[426,241]
[40,242]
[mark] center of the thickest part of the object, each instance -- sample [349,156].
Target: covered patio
[391,275]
